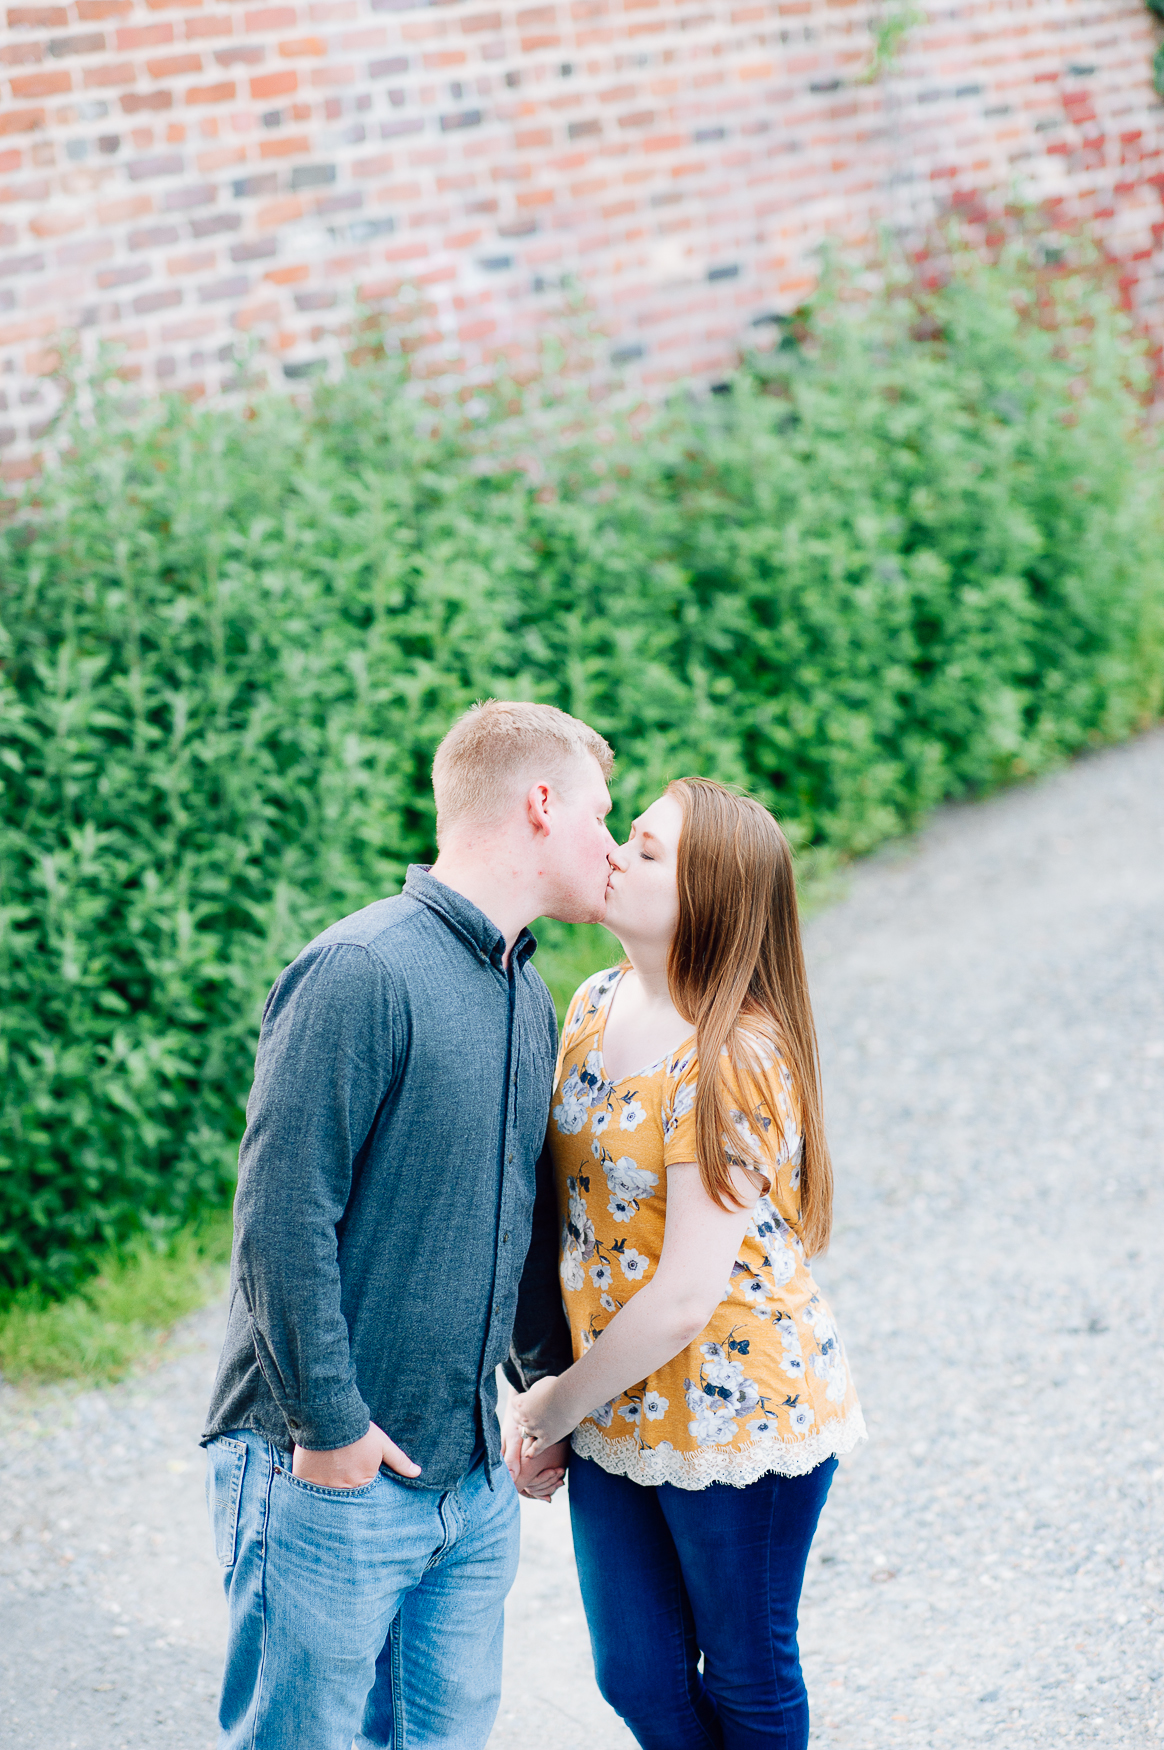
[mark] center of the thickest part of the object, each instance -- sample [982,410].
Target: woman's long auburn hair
[736,957]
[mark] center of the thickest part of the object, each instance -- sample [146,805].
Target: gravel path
[991,1565]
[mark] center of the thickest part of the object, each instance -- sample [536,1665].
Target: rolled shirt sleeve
[326,1060]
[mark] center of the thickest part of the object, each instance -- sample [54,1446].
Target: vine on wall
[1157,8]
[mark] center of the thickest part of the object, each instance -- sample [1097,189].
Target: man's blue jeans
[670,1574]
[371,1614]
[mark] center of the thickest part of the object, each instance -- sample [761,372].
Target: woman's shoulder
[755,1064]
[590,999]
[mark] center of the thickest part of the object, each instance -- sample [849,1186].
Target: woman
[709,1395]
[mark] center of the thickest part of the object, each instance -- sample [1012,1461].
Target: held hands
[538,1417]
[350,1467]
[540,1478]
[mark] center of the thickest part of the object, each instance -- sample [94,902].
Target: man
[361,1504]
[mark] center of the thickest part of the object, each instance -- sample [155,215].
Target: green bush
[914,552]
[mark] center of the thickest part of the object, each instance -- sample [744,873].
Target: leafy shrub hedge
[915,551]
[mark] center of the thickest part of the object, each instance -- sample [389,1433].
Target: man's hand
[538,1479]
[350,1467]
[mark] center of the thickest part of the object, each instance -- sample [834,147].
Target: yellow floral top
[766,1386]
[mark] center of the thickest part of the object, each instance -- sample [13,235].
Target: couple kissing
[432,1185]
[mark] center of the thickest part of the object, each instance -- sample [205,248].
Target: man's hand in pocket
[350,1467]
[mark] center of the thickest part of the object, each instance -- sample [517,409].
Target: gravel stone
[990,1566]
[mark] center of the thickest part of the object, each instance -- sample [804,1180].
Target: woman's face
[642,895]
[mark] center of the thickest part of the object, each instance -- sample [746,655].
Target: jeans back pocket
[226,1460]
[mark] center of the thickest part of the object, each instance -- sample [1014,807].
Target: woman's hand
[537,1478]
[540,1418]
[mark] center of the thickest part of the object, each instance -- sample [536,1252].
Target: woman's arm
[701,1242]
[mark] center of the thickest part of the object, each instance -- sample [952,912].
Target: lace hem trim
[696,1470]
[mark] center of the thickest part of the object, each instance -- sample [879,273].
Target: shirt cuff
[324,1427]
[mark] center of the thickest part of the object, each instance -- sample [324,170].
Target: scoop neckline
[636,1074]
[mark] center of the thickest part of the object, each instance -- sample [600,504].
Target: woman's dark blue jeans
[670,1574]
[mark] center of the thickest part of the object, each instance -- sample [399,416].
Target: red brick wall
[178,176]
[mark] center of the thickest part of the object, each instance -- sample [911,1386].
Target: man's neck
[489,876]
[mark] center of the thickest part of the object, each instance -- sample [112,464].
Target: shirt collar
[464,918]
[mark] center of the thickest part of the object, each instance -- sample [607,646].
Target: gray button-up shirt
[387,1186]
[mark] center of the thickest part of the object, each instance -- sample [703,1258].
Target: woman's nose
[617,858]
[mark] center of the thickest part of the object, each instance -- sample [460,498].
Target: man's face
[578,847]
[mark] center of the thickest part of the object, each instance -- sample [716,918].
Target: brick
[169,164]
[219,158]
[201,261]
[243,54]
[37,17]
[89,44]
[47,224]
[222,93]
[180,200]
[23,468]
[173,66]
[144,36]
[304,45]
[274,84]
[197,28]
[292,147]
[228,288]
[153,237]
[15,264]
[351,201]
[272,18]
[249,186]
[30,329]
[213,223]
[283,212]
[315,300]
[100,78]
[21,121]
[22,55]
[93,11]
[312,175]
[256,249]
[111,277]
[132,102]
[84,252]
[146,303]
[46,84]
[117,212]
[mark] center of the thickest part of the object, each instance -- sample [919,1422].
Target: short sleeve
[679,1112]
[762,1108]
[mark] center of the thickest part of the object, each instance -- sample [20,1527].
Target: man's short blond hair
[501,746]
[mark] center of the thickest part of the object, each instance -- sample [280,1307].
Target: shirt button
[505,1239]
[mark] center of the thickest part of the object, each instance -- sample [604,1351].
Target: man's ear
[538,807]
